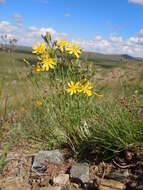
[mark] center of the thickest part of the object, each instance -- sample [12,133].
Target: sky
[105,26]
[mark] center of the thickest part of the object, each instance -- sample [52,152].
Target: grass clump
[4,156]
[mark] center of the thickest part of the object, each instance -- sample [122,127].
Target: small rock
[112,184]
[126,173]
[53,156]
[129,155]
[61,179]
[80,172]
[118,176]
[75,185]
[101,187]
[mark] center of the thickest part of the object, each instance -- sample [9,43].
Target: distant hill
[97,58]
[20,49]
[93,56]
[23,49]
[128,57]
[108,60]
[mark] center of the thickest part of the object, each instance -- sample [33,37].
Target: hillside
[109,59]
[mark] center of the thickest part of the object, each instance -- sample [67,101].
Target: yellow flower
[39,49]
[73,88]
[47,63]
[37,68]
[86,89]
[73,49]
[22,109]
[61,44]
[70,48]
[38,103]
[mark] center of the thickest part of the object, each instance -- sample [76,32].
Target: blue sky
[97,25]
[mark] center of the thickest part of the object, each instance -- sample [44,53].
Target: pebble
[80,172]
[61,179]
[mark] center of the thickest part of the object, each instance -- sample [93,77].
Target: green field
[13,79]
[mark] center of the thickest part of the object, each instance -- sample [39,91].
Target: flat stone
[53,156]
[80,172]
[101,187]
[61,179]
[112,184]
[118,176]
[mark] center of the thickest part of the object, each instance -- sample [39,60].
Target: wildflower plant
[64,95]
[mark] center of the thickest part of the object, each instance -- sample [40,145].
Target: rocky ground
[55,170]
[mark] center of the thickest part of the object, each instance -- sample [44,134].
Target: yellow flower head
[73,49]
[73,88]
[38,103]
[61,44]
[87,88]
[47,63]
[22,109]
[39,49]
[70,48]
[37,68]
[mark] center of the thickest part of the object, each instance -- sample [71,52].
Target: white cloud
[140,2]
[113,44]
[2,1]
[26,36]
[36,32]
[17,17]
[67,15]
[6,27]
